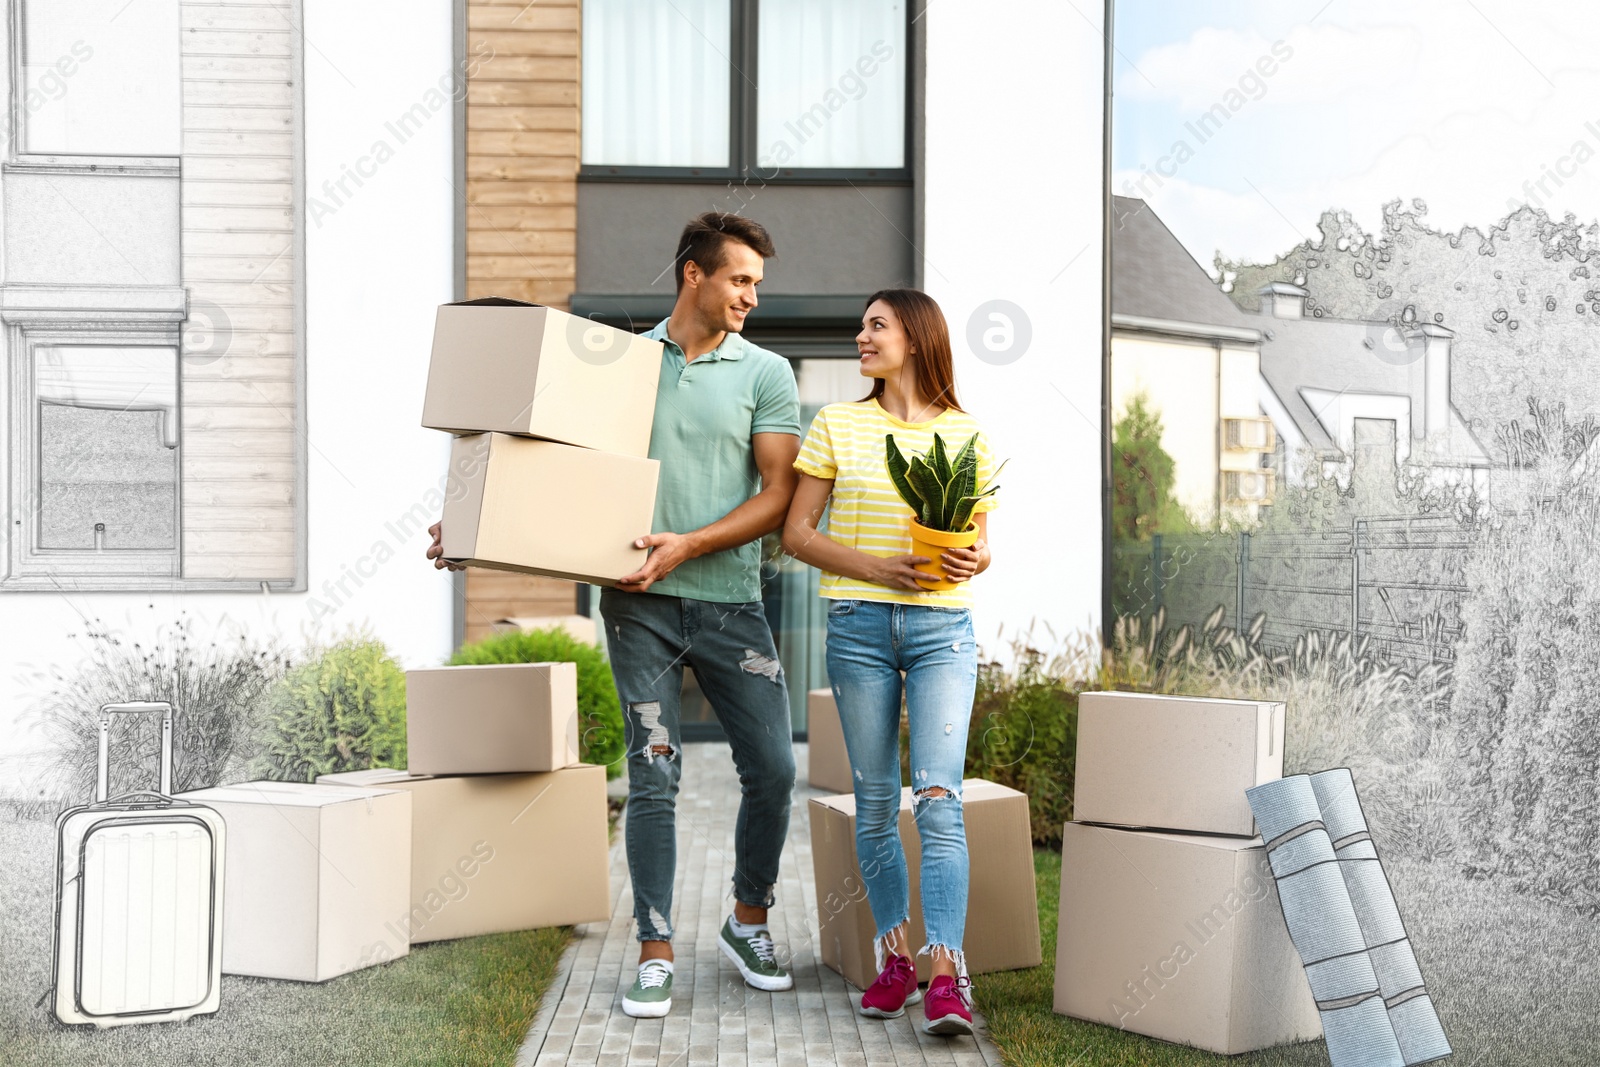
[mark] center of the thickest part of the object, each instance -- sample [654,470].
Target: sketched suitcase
[138,916]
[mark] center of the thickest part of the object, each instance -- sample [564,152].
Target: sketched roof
[1154,277]
[1333,356]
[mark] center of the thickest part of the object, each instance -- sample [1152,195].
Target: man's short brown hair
[705,240]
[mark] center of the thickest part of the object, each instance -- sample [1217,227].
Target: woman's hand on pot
[898,572]
[961,564]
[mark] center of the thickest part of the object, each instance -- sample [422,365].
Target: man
[727,431]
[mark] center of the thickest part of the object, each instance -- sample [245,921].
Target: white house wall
[1013,195]
[1179,382]
[378,262]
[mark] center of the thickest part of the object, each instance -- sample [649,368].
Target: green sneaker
[651,995]
[754,958]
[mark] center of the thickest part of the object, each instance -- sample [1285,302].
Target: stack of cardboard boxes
[1169,920]
[495,827]
[1002,928]
[550,473]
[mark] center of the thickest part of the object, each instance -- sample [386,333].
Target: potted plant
[941,493]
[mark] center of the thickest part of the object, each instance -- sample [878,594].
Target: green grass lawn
[1516,982]
[463,1003]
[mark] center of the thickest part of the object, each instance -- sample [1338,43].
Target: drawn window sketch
[153,266]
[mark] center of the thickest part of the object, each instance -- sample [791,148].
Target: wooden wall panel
[522,195]
[239,417]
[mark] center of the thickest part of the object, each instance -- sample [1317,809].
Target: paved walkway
[716,1019]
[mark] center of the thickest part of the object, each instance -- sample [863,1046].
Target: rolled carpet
[1411,1011]
[1323,925]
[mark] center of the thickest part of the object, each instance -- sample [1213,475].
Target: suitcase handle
[133,707]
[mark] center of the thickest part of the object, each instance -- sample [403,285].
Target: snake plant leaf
[963,484]
[965,505]
[926,481]
[897,474]
[939,461]
[968,453]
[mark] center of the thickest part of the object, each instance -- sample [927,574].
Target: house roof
[1341,356]
[1154,277]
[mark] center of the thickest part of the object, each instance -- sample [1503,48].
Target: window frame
[15,159]
[744,79]
[29,566]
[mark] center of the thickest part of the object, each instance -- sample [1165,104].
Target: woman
[881,623]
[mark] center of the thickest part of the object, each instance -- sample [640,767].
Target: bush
[218,688]
[343,710]
[601,738]
[1024,734]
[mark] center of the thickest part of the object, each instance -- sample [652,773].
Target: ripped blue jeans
[869,643]
[650,638]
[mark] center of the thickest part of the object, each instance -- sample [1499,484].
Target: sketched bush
[219,688]
[599,710]
[344,709]
[1527,678]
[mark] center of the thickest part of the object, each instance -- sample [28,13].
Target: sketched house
[1247,398]
[1333,387]
[151,297]
[1177,339]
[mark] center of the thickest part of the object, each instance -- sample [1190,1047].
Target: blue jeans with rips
[869,644]
[650,637]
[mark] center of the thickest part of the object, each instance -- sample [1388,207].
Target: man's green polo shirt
[705,413]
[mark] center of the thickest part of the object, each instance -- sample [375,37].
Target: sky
[1472,106]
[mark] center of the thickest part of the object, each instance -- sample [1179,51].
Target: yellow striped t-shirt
[845,444]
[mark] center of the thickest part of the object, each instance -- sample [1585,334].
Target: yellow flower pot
[930,543]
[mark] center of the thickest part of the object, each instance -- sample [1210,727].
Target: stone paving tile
[716,1020]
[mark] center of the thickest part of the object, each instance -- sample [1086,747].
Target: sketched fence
[1398,580]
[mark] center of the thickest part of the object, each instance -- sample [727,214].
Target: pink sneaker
[947,1007]
[895,988]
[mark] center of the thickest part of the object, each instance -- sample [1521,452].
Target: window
[1248,487]
[833,85]
[98,78]
[655,83]
[1251,435]
[812,89]
[97,472]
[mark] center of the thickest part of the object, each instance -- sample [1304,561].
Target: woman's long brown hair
[932,365]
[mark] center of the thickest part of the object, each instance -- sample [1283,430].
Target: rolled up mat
[1411,1011]
[1323,926]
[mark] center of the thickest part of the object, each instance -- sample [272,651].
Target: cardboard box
[512,367]
[493,718]
[518,504]
[498,852]
[1180,937]
[1002,931]
[829,763]
[581,627]
[312,874]
[1174,762]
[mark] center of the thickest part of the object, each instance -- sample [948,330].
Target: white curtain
[101,77]
[833,80]
[655,82]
